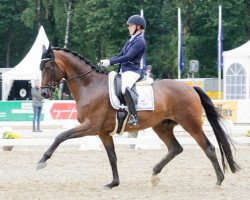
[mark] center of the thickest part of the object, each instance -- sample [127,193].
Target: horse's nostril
[44,94]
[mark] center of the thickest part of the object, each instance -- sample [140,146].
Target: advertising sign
[17,111]
[227,109]
[195,83]
[63,111]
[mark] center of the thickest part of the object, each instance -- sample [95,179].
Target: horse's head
[51,73]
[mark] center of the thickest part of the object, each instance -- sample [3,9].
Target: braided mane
[96,67]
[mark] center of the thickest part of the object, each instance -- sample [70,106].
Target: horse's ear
[47,53]
[50,47]
[44,48]
[44,52]
[50,52]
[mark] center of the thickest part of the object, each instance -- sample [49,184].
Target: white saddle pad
[144,90]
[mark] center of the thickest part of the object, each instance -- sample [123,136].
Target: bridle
[53,84]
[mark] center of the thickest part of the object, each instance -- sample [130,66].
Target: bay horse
[175,103]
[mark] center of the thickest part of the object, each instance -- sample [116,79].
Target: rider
[129,62]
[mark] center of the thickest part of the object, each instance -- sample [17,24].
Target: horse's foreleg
[108,143]
[72,133]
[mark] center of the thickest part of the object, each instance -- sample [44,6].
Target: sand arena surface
[72,174]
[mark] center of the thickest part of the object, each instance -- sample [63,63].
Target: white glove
[105,63]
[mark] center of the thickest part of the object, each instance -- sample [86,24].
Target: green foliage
[16,38]
[56,94]
[28,16]
[248,133]
[98,29]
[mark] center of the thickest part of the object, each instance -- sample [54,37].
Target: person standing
[149,71]
[37,103]
[129,62]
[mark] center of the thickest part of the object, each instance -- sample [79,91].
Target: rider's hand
[105,63]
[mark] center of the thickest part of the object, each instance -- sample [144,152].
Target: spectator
[149,71]
[37,103]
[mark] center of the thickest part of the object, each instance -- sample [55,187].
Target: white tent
[237,72]
[28,68]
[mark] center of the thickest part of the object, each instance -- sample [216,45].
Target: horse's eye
[49,68]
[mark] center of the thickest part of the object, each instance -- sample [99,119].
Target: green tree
[98,29]
[11,30]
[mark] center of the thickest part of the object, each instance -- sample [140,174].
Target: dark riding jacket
[130,56]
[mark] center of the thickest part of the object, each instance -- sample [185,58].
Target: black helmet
[137,20]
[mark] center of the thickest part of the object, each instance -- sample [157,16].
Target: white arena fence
[145,140]
[56,112]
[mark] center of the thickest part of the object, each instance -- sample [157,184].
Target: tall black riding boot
[133,119]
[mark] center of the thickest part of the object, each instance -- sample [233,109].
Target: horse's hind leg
[198,134]
[165,132]
[209,150]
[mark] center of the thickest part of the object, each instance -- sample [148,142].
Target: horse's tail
[223,139]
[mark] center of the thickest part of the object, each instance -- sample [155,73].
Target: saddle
[142,93]
[118,91]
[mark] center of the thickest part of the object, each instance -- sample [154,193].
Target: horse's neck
[92,85]
[83,81]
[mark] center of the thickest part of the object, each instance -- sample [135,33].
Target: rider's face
[131,28]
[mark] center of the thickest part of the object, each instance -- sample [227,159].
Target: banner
[228,109]
[220,41]
[180,46]
[63,110]
[17,111]
[220,50]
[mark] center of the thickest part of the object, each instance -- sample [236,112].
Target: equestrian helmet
[137,20]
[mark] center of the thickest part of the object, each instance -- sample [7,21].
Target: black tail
[222,138]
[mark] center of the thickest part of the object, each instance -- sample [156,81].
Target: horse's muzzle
[46,93]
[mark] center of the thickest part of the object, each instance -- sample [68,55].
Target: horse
[176,103]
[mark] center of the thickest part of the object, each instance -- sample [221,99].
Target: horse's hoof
[40,165]
[155,181]
[108,187]
[111,185]
[218,183]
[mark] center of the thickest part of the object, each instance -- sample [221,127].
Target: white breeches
[128,79]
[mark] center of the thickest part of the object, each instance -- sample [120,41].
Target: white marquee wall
[240,55]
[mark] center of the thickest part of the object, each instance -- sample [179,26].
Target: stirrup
[133,121]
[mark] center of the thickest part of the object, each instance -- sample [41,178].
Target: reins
[96,67]
[78,76]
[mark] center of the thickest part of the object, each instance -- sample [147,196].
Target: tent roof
[243,50]
[28,68]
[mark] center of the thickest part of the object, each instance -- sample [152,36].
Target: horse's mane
[81,57]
